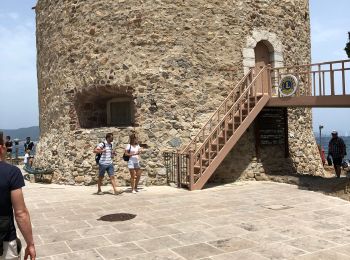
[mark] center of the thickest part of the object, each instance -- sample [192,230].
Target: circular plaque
[288,85]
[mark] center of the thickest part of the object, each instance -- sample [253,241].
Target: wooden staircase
[222,131]
[323,84]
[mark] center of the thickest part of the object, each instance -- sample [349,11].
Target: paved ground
[247,220]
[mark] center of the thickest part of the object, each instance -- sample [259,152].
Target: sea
[325,141]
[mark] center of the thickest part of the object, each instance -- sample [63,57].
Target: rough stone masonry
[167,65]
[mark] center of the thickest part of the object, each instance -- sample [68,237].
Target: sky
[330,22]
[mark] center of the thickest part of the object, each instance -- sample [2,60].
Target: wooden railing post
[332,79]
[269,80]
[343,77]
[191,169]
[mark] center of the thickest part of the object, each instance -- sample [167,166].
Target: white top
[26,157]
[106,157]
[133,150]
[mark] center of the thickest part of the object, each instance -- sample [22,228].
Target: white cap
[334,132]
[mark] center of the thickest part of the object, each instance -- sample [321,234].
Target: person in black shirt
[337,149]
[9,145]
[12,207]
[28,144]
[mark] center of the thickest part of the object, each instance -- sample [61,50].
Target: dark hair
[108,135]
[8,137]
[1,138]
[132,137]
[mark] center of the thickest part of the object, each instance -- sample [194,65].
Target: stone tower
[160,68]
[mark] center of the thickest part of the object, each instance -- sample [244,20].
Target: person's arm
[343,148]
[99,149]
[128,151]
[23,221]
[330,148]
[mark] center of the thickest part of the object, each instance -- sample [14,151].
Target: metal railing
[176,165]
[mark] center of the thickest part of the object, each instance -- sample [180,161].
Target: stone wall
[184,56]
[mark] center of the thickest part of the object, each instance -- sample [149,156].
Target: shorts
[11,251]
[133,165]
[337,161]
[103,168]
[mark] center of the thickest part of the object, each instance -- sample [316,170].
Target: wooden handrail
[216,113]
[312,64]
[230,110]
[318,79]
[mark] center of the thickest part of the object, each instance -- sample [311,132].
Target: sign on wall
[272,126]
[288,85]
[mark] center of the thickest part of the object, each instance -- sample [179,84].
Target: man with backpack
[12,207]
[104,159]
[337,150]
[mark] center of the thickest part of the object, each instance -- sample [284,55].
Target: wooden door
[262,58]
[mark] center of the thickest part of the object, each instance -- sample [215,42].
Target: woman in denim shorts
[133,150]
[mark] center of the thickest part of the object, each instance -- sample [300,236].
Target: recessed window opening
[103,108]
[120,112]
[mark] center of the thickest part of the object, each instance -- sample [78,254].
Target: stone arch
[93,105]
[270,40]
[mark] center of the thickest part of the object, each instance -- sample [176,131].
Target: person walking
[337,150]
[12,206]
[28,144]
[133,150]
[105,163]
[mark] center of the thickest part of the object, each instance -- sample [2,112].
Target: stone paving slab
[244,220]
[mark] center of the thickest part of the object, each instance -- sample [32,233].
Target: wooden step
[197,169]
[251,105]
[214,145]
[236,125]
[212,154]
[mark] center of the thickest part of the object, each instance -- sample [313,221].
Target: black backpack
[98,155]
[4,230]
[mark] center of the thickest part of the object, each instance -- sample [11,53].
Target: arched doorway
[262,53]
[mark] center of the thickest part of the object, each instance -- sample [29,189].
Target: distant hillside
[22,133]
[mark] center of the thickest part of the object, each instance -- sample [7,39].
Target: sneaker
[136,190]
[99,193]
[133,191]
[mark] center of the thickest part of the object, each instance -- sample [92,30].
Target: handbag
[329,160]
[126,157]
